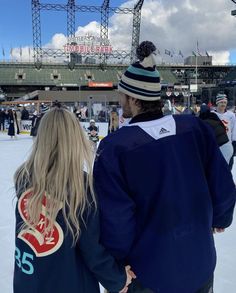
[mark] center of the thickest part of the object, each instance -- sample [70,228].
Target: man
[24,114]
[229,120]
[163,187]
[37,119]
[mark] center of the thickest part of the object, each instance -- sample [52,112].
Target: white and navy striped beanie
[141,80]
[220,98]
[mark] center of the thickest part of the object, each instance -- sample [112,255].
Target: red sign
[100,84]
[88,49]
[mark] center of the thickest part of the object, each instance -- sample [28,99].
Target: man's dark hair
[150,106]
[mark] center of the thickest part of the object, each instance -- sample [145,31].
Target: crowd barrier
[102,127]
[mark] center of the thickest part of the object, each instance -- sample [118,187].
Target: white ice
[13,152]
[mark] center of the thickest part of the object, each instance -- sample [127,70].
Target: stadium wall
[80,96]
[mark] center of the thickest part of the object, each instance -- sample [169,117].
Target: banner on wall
[25,126]
[100,84]
[102,127]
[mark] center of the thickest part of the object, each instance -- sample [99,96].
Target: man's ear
[133,100]
[136,102]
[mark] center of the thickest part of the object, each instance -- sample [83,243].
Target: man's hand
[218,230]
[130,275]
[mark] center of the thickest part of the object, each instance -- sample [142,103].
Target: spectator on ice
[13,129]
[24,114]
[229,121]
[2,119]
[216,124]
[92,126]
[37,118]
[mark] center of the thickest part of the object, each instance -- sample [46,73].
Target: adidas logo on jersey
[163,131]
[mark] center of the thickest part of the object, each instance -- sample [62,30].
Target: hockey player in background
[229,120]
[151,216]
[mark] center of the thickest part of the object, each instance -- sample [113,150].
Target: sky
[175,25]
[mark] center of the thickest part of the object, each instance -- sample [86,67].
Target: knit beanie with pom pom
[141,80]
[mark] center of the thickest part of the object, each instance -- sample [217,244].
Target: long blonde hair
[60,154]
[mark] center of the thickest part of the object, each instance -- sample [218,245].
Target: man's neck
[146,116]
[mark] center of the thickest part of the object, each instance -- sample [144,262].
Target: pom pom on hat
[145,53]
[145,49]
[141,80]
[220,98]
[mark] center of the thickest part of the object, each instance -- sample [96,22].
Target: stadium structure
[90,75]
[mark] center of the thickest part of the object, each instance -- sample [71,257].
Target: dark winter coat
[216,124]
[51,265]
[2,115]
[35,125]
[24,115]
[13,125]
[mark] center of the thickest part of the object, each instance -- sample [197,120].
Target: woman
[13,125]
[57,226]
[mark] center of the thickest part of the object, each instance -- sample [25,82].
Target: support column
[136,29]
[36,24]
[104,28]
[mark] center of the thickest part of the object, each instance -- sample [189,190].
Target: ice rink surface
[13,152]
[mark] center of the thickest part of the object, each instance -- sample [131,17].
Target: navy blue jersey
[162,186]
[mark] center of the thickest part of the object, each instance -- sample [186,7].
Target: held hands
[218,230]
[130,275]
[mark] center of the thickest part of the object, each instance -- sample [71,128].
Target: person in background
[37,118]
[93,134]
[114,120]
[217,126]
[151,216]
[13,129]
[102,116]
[83,113]
[77,113]
[94,138]
[18,118]
[229,120]
[2,119]
[24,114]
[167,108]
[34,118]
[57,223]
[92,126]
